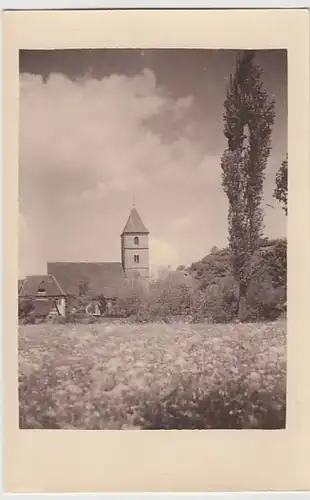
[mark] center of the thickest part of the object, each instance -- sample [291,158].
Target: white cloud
[98,126]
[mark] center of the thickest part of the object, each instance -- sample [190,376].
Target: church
[95,278]
[92,279]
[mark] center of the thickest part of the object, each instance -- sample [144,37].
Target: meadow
[152,376]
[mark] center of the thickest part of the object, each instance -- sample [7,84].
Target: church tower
[135,246]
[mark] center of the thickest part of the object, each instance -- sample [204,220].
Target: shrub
[58,320]
[25,307]
[169,299]
[266,295]
[129,301]
[217,302]
[165,299]
[264,302]
[127,306]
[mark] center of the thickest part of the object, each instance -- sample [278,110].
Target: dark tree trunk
[242,313]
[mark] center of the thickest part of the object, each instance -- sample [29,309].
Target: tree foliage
[102,303]
[217,288]
[25,307]
[280,192]
[248,118]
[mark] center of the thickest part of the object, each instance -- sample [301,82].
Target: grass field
[152,376]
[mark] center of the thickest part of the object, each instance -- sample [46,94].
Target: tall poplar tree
[248,120]
[280,192]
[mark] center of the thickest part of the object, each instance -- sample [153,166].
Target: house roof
[31,285]
[98,277]
[134,223]
[20,284]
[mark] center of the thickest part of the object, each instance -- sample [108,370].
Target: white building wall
[61,305]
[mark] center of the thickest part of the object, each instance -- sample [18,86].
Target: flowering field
[113,376]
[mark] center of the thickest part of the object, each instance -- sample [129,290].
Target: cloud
[84,142]
[96,126]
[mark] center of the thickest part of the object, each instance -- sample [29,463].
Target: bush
[264,302]
[164,300]
[57,319]
[25,307]
[217,302]
[266,295]
[128,304]
[168,299]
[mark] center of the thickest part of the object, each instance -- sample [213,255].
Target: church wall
[142,266]
[128,241]
[130,249]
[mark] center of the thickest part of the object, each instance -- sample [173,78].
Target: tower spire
[134,223]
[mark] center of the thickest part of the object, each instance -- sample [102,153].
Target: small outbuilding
[46,295]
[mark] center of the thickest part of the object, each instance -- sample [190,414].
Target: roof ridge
[34,280]
[60,288]
[80,262]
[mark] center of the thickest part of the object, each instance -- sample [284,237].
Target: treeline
[206,291]
[212,295]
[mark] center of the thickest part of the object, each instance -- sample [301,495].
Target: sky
[101,128]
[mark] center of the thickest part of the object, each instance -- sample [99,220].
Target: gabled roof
[134,223]
[98,277]
[31,284]
[20,284]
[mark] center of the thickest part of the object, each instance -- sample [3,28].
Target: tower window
[136,259]
[136,240]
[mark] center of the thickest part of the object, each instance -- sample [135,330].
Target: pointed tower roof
[134,223]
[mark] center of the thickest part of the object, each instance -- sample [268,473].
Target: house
[46,295]
[94,279]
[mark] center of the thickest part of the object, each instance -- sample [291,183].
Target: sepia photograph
[152,239]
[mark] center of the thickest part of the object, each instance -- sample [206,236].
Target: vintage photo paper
[156,215]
